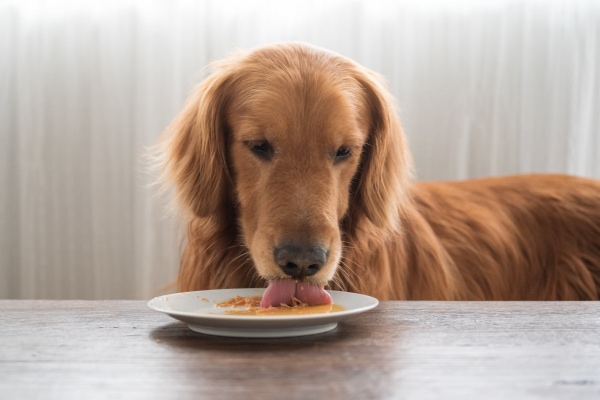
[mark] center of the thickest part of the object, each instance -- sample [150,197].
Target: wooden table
[421,350]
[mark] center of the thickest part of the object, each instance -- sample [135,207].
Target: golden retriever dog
[293,173]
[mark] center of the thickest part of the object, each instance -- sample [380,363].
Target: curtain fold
[483,88]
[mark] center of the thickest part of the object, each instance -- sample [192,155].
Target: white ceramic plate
[198,311]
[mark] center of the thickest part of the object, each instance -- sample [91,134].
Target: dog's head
[301,146]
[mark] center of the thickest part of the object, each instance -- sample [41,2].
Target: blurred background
[484,88]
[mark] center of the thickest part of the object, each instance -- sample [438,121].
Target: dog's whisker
[340,283]
[355,264]
[348,272]
[255,279]
[251,272]
[235,264]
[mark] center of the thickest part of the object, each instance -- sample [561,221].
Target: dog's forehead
[306,108]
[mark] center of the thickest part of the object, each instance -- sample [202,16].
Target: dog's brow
[353,139]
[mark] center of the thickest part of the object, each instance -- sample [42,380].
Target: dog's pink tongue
[278,293]
[283,291]
[312,295]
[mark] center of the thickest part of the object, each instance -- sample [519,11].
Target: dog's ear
[192,150]
[381,186]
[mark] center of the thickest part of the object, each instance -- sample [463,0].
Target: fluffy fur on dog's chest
[289,162]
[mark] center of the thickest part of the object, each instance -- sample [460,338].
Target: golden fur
[293,143]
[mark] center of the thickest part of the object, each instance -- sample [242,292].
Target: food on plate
[252,306]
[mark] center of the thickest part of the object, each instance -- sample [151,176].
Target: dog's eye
[261,148]
[342,153]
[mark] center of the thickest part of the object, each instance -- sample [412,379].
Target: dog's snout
[300,261]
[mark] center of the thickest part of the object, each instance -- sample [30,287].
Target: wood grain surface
[420,350]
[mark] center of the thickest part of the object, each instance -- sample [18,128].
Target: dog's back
[526,237]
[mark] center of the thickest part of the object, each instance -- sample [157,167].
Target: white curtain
[484,88]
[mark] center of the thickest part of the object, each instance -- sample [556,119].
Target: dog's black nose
[300,261]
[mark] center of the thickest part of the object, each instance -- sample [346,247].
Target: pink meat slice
[283,291]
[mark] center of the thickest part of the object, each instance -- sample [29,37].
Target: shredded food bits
[239,301]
